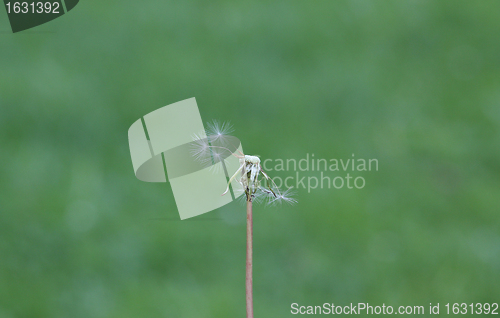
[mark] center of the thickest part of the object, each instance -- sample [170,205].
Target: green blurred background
[414,84]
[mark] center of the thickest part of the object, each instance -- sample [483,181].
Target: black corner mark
[70,4]
[28,14]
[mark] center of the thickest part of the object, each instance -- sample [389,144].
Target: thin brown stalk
[248,281]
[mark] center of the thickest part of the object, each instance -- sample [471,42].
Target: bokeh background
[414,84]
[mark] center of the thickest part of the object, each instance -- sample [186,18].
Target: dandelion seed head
[211,148]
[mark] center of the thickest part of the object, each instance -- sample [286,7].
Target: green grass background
[414,84]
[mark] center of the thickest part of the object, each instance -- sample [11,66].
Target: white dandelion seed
[219,130]
[286,196]
[200,149]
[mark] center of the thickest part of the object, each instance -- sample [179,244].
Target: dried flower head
[256,184]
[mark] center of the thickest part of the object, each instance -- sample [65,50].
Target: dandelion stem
[248,282]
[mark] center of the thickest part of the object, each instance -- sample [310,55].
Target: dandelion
[213,146]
